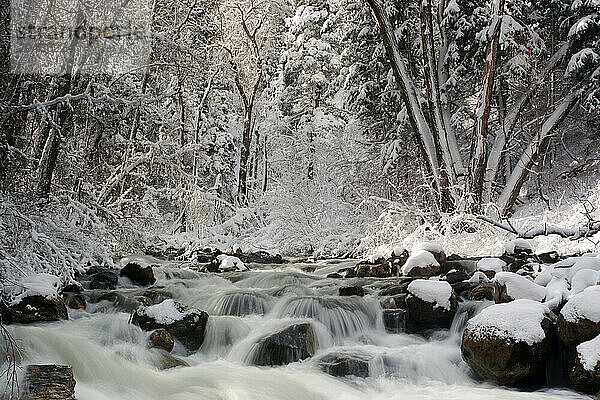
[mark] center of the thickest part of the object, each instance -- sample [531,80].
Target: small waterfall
[276,279]
[222,332]
[343,316]
[240,304]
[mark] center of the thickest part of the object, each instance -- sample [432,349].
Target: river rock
[579,319]
[104,279]
[433,248]
[342,364]
[511,343]
[161,339]
[260,257]
[76,301]
[352,291]
[429,305]
[585,375]
[44,382]
[168,361]
[334,275]
[394,320]
[286,346]
[453,277]
[365,269]
[184,324]
[138,273]
[421,264]
[481,291]
[509,286]
[73,287]
[35,309]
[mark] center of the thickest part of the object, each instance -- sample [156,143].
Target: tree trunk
[245,155]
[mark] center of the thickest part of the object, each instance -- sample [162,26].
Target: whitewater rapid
[111,361]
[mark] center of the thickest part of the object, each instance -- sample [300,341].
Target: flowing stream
[111,360]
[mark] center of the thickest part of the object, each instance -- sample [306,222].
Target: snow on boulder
[490,266]
[517,247]
[34,299]
[479,277]
[557,293]
[582,279]
[434,248]
[230,263]
[579,319]
[510,343]
[421,264]
[509,286]
[184,324]
[429,304]
[585,376]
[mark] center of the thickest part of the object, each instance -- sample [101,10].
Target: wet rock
[261,257]
[459,264]
[286,346]
[139,274]
[74,287]
[364,269]
[550,257]
[508,353]
[168,361]
[585,375]
[395,289]
[35,309]
[341,364]
[350,273]
[104,280]
[423,313]
[169,253]
[335,275]
[400,300]
[184,324]
[481,291]
[44,382]
[394,320]
[76,301]
[352,291]
[124,302]
[462,288]
[387,303]
[161,339]
[456,276]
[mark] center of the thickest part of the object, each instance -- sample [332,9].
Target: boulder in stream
[44,382]
[184,324]
[288,345]
[430,305]
[161,339]
[35,308]
[346,364]
[352,291]
[103,279]
[579,319]
[394,320]
[585,375]
[421,264]
[510,343]
[139,273]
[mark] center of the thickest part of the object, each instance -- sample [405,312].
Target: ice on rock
[419,259]
[45,285]
[520,287]
[517,244]
[589,353]
[438,292]
[583,305]
[491,264]
[519,320]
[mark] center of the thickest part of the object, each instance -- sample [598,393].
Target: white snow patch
[583,305]
[479,277]
[491,264]
[520,287]
[589,353]
[517,244]
[557,291]
[583,279]
[36,285]
[420,258]
[438,292]
[231,262]
[519,320]
[165,313]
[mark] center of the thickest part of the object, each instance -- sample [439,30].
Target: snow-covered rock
[489,265]
[510,286]
[421,264]
[429,304]
[184,324]
[518,246]
[45,285]
[579,319]
[509,343]
[557,293]
[583,279]
[585,375]
[432,247]
[231,263]
[479,277]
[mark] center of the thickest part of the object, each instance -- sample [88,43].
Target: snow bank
[519,320]
[589,353]
[438,292]
[231,262]
[36,285]
[491,264]
[583,305]
[517,244]
[166,312]
[519,287]
[420,258]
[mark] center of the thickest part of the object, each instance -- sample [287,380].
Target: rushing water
[111,361]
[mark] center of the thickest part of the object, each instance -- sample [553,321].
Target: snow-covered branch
[590,229]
